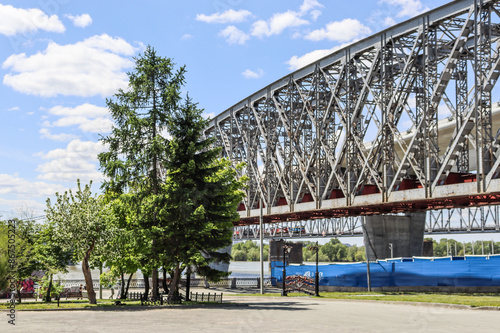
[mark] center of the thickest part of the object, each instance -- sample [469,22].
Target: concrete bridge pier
[404,232]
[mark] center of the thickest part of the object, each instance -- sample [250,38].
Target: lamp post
[392,250]
[315,248]
[286,249]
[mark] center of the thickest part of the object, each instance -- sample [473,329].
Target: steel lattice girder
[455,220]
[359,131]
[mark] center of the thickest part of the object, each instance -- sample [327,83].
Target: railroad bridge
[386,128]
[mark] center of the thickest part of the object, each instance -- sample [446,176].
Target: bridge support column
[404,232]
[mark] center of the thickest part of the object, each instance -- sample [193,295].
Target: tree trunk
[122,286]
[146,284]
[164,282]
[88,277]
[175,282]
[128,284]
[155,283]
[48,297]
[188,283]
[18,292]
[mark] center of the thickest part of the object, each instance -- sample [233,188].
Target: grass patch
[474,300]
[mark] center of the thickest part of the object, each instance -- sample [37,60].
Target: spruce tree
[202,193]
[137,146]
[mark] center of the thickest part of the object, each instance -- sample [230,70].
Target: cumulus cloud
[277,24]
[249,74]
[15,21]
[77,161]
[310,5]
[229,16]
[186,36]
[88,117]
[407,8]
[12,185]
[94,66]
[389,21]
[80,21]
[289,19]
[14,108]
[234,35]
[46,134]
[297,62]
[340,31]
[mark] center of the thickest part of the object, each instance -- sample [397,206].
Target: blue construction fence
[468,271]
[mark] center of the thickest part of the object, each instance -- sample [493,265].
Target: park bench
[73,291]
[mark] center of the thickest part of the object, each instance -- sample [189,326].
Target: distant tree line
[333,251]
[446,247]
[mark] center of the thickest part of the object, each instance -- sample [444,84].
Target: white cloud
[297,62]
[408,8]
[277,24]
[46,134]
[310,5]
[229,16]
[249,74]
[234,36]
[15,21]
[209,115]
[340,31]
[16,186]
[186,36]
[315,14]
[91,67]
[88,118]
[77,161]
[389,21]
[80,21]
[15,108]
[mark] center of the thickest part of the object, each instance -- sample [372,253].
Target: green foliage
[446,247]
[248,251]
[109,279]
[4,268]
[80,224]
[50,252]
[333,251]
[202,194]
[26,232]
[57,287]
[176,194]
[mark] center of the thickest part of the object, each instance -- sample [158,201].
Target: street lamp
[315,248]
[392,250]
[286,249]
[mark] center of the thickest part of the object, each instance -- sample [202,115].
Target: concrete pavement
[262,314]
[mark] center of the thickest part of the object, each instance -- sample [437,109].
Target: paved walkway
[263,314]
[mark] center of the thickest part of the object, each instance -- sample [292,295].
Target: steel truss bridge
[401,121]
[484,219]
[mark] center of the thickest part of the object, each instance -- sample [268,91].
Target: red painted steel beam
[382,208]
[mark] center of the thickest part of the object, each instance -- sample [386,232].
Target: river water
[240,269]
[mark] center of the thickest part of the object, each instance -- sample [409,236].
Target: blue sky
[61,59]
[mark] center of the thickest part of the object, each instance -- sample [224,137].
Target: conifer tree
[202,193]
[137,146]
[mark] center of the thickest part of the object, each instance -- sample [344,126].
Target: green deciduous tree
[52,256]
[22,252]
[80,222]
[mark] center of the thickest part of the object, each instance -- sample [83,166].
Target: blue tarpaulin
[469,271]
